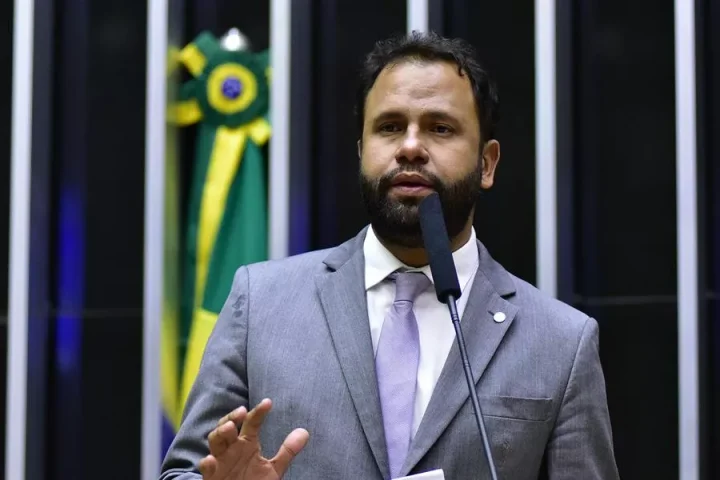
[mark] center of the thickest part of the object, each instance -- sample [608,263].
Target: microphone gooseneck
[447,288]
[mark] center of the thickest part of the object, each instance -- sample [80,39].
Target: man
[346,358]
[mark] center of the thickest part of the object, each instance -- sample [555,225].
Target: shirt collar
[379,262]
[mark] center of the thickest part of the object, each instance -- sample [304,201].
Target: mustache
[384,184]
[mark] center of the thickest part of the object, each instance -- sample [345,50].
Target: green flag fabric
[227,218]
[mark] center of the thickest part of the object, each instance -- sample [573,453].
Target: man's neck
[417,257]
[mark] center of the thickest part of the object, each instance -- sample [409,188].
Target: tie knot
[408,285]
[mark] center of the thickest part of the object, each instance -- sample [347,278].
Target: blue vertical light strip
[69,295]
[69,195]
[70,235]
[70,285]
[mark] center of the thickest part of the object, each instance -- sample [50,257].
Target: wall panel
[625,219]
[344,33]
[505,218]
[709,124]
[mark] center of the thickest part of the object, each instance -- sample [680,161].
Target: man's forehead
[421,74]
[435,86]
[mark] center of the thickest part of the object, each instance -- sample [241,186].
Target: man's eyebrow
[433,114]
[441,114]
[387,114]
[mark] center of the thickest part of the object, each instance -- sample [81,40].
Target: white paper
[431,475]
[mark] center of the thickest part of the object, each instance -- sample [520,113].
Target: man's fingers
[208,466]
[253,421]
[222,437]
[292,445]
[237,416]
[226,432]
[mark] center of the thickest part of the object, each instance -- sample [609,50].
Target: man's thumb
[292,445]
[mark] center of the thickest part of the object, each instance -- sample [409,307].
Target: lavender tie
[396,363]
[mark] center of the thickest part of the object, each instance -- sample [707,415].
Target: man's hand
[236,456]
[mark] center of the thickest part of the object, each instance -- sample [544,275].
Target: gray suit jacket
[296,331]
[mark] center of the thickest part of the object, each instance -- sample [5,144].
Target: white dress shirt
[435,328]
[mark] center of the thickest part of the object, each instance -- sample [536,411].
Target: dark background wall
[709,116]
[114,187]
[505,218]
[96,241]
[625,220]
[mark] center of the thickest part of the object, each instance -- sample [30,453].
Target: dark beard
[398,221]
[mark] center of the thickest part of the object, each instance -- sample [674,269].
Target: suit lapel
[342,294]
[482,337]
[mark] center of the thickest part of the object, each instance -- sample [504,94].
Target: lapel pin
[499,317]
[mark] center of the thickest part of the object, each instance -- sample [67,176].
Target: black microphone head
[437,246]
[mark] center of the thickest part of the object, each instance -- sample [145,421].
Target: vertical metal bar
[687,239]
[417,15]
[546,157]
[279,191]
[19,256]
[155,122]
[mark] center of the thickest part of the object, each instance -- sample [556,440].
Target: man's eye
[389,128]
[442,129]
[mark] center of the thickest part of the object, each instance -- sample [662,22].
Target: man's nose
[412,148]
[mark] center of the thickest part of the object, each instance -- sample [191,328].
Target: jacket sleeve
[220,386]
[581,444]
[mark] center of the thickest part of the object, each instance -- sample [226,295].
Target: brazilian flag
[227,226]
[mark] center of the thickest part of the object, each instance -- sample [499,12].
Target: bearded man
[345,358]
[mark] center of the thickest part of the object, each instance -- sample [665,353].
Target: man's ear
[490,159]
[359,148]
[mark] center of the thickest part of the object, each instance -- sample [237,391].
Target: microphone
[447,288]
